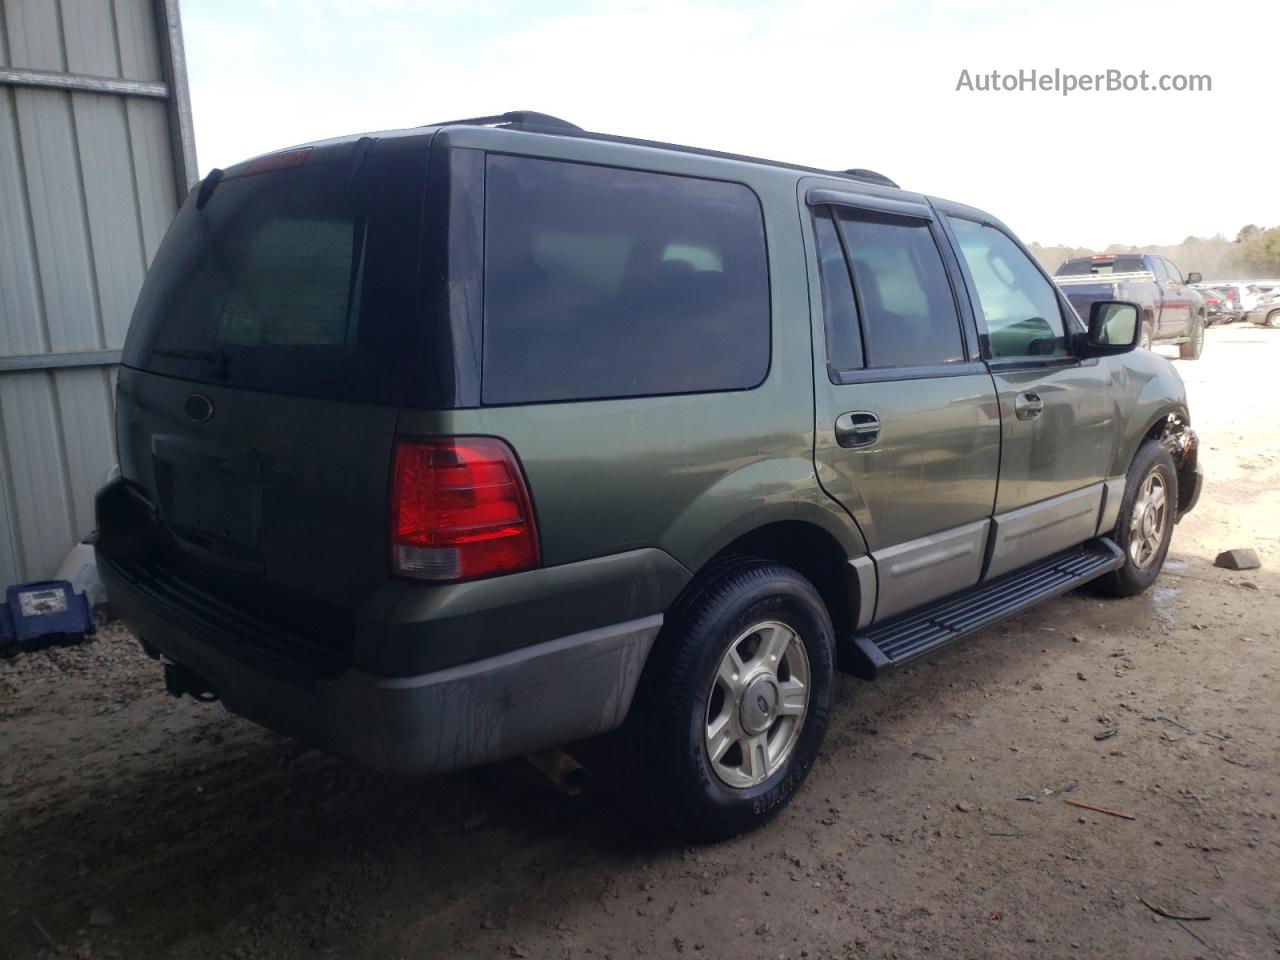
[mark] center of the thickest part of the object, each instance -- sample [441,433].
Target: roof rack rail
[513,118]
[870,176]
[545,123]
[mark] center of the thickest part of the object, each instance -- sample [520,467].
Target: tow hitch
[179,680]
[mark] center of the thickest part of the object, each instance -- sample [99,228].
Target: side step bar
[914,634]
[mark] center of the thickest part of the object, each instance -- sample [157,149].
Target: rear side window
[601,282]
[299,281]
[909,316]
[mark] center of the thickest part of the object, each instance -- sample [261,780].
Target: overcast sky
[829,83]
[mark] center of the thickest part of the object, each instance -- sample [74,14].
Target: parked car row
[1266,310]
[1252,300]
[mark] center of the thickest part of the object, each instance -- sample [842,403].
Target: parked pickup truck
[1173,311]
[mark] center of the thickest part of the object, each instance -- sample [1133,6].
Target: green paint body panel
[632,496]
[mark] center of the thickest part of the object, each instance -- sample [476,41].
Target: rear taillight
[459,510]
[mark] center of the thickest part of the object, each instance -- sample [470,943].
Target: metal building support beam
[60,361]
[18,77]
[181,129]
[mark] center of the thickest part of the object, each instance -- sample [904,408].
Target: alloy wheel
[1148,520]
[757,704]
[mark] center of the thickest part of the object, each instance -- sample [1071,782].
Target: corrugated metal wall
[95,153]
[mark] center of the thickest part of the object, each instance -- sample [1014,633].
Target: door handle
[857,429]
[1027,406]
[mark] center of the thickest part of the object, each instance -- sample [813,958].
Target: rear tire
[1144,529]
[1272,320]
[762,710]
[1194,347]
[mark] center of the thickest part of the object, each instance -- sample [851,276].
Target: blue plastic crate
[38,612]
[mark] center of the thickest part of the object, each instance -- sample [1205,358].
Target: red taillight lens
[459,510]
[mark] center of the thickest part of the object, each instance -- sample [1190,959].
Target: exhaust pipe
[566,773]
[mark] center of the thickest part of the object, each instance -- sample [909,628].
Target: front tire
[734,702]
[1272,320]
[1194,347]
[1144,338]
[1144,528]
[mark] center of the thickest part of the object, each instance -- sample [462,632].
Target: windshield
[1082,268]
[301,281]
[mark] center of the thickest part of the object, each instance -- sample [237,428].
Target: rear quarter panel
[686,474]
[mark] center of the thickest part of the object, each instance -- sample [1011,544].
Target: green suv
[468,441]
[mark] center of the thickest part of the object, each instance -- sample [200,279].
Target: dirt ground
[935,824]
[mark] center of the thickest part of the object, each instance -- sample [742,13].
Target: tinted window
[299,281]
[844,342]
[1081,268]
[1174,273]
[1019,304]
[602,282]
[908,312]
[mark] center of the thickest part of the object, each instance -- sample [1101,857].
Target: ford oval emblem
[198,407]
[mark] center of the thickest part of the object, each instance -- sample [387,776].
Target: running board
[922,631]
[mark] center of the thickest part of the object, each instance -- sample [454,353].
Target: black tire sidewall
[1131,579]
[761,800]
[682,782]
[1191,350]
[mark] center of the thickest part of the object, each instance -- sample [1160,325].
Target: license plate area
[208,494]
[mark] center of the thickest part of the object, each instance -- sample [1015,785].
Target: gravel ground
[935,823]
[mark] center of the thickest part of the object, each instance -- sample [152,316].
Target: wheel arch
[815,554]
[1156,426]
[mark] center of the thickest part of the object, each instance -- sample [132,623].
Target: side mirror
[1114,327]
[1193,277]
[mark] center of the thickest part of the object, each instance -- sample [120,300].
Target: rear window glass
[1083,268]
[299,281]
[602,282]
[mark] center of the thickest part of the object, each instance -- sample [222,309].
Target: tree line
[1254,253]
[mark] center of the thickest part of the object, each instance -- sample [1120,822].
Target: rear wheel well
[814,554]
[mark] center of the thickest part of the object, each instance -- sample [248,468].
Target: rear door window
[908,311]
[601,282]
[839,310]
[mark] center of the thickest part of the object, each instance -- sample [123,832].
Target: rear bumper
[530,698]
